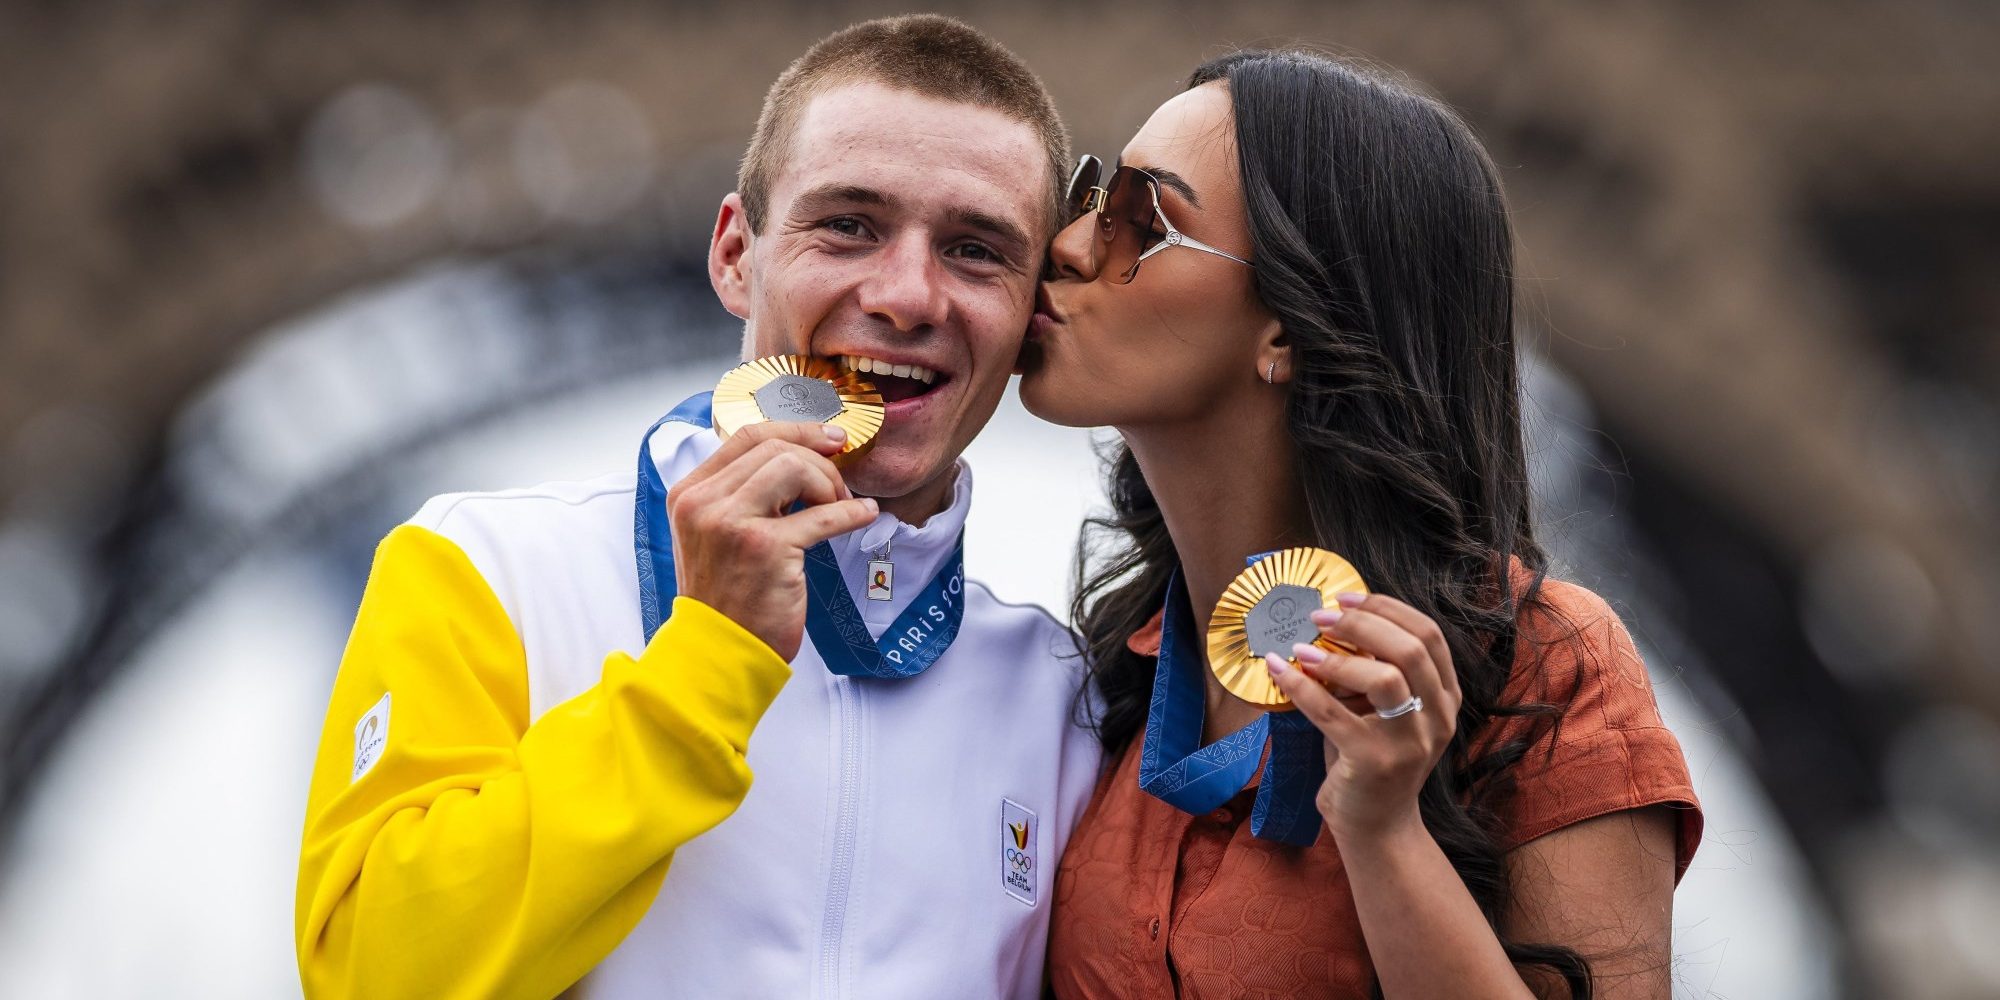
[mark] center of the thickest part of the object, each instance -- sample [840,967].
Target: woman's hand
[1374,766]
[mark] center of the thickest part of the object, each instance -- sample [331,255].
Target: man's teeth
[856,363]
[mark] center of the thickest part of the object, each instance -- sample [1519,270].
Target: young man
[505,799]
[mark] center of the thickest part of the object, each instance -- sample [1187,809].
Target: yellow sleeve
[478,855]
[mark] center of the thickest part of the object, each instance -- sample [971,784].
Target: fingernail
[1326,616]
[873,507]
[835,434]
[1276,664]
[1351,599]
[1308,654]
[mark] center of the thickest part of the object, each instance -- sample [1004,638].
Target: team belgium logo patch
[1020,865]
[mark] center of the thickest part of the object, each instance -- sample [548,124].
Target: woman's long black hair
[1383,246]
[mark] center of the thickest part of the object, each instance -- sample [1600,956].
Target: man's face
[906,231]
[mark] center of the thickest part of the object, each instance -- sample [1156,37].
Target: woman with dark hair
[1294,300]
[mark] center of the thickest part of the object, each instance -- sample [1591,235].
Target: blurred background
[271,274]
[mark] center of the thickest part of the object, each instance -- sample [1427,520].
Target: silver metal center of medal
[1281,619]
[798,398]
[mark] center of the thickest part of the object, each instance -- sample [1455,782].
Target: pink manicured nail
[1326,616]
[1351,600]
[1308,654]
[1276,664]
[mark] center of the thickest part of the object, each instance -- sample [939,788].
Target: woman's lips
[1045,305]
[1047,317]
[1042,325]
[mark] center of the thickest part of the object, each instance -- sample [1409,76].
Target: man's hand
[737,550]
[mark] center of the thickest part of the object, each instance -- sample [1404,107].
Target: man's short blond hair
[928,54]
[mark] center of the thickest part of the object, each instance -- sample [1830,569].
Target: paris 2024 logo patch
[371,734]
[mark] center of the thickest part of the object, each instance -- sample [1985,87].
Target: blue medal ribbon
[1176,769]
[913,642]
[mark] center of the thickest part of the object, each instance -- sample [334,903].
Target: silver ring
[1415,704]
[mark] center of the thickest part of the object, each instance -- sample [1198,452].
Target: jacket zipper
[835,918]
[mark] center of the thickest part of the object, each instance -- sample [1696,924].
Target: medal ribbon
[913,642]
[1176,769]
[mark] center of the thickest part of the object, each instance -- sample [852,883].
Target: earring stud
[1271,373]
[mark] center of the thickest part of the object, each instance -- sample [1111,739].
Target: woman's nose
[1073,254]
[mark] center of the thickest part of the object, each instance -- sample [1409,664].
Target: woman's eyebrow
[1172,180]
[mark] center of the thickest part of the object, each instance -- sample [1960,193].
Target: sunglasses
[1128,218]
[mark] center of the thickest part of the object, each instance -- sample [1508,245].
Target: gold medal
[1267,609]
[798,387]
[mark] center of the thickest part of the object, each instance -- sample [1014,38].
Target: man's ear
[729,257]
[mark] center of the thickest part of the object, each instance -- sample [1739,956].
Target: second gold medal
[1267,609]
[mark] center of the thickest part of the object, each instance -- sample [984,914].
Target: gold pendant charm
[1267,609]
[798,387]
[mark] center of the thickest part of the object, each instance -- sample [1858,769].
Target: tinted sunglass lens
[1125,222]
[1081,180]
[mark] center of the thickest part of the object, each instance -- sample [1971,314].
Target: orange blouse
[1153,902]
